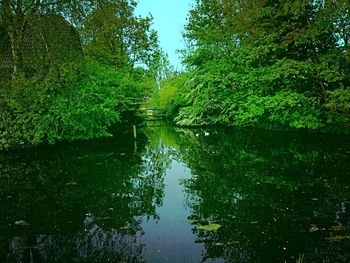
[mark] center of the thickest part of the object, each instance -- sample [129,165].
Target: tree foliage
[114,35]
[76,104]
[73,97]
[20,17]
[170,95]
[268,63]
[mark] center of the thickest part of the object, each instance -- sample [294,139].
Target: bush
[70,103]
[170,97]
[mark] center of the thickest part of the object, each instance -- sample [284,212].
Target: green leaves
[265,64]
[76,102]
[21,223]
[211,227]
[113,35]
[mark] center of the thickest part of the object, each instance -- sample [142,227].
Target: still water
[179,195]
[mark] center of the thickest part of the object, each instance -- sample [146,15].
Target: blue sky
[169,18]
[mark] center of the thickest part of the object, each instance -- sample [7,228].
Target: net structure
[46,41]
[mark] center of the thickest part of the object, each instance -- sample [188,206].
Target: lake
[179,195]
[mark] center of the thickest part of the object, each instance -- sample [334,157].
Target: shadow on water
[277,196]
[78,202]
[272,197]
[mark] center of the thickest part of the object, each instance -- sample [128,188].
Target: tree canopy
[268,63]
[73,68]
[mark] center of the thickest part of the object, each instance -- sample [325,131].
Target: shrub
[69,103]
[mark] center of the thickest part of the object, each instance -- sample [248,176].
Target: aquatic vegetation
[211,227]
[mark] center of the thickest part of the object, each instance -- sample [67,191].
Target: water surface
[271,197]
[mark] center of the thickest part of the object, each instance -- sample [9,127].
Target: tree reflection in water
[267,190]
[276,196]
[82,202]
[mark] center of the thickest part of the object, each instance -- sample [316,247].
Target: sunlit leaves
[261,63]
[77,102]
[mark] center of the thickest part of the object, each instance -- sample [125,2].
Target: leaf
[211,227]
[338,238]
[338,228]
[313,228]
[219,244]
[21,223]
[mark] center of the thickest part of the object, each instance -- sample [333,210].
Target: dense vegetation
[271,64]
[72,80]
[70,69]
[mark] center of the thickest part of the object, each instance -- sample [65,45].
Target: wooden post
[135,134]
[135,137]
[135,146]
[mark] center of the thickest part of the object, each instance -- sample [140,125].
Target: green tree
[114,35]
[267,62]
[17,16]
[79,97]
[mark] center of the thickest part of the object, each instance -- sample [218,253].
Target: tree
[73,99]
[17,15]
[263,61]
[113,35]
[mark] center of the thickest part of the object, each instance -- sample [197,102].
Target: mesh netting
[46,41]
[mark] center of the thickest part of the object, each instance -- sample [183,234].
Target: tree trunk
[16,32]
[14,51]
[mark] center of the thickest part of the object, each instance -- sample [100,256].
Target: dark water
[270,197]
